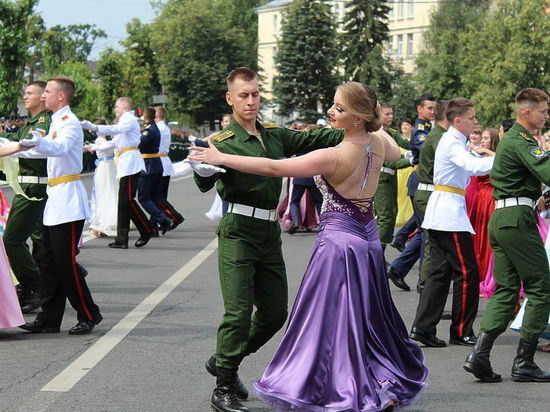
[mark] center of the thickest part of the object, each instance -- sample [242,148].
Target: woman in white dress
[104,194]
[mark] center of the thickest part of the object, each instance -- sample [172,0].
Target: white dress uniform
[126,134]
[164,148]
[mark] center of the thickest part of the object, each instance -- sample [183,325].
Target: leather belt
[63,179]
[388,170]
[515,201]
[32,179]
[450,189]
[120,151]
[251,211]
[426,186]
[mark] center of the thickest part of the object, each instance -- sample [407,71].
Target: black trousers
[63,278]
[165,205]
[149,194]
[452,257]
[129,209]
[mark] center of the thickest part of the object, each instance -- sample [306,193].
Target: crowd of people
[475,196]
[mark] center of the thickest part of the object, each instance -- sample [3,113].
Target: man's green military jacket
[425,169]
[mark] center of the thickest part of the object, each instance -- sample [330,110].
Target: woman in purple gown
[346,347]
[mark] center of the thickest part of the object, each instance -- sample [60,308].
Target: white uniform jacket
[67,202]
[165,140]
[125,133]
[453,166]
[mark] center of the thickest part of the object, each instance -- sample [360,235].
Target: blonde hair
[362,102]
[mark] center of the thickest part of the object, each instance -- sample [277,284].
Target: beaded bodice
[359,209]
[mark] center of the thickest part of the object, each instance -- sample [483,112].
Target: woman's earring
[354,124]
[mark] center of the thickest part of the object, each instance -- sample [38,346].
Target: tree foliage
[14,41]
[439,66]
[515,55]
[109,74]
[196,49]
[306,69]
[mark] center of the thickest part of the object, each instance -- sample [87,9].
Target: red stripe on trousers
[464,285]
[76,273]
[133,205]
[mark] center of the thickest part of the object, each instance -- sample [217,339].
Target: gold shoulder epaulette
[269,125]
[391,129]
[527,137]
[220,137]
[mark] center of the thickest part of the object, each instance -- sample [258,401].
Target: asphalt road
[161,307]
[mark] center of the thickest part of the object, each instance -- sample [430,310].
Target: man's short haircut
[38,83]
[66,84]
[244,73]
[530,97]
[458,107]
[126,100]
[161,112]
[440,109]
[426,97]
[149,114]
[407,120]
[507,124]
[384,105]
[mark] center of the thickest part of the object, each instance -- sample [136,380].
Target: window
[390,13]
[389,46]
[275,24]
[410,8]
[399,45]
[400,10]
[410,45]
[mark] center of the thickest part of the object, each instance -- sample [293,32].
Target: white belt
[425,186]
[244,210]
[32,179]
[515,201]
[388,170]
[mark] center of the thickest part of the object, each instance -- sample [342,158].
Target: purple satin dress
[346,347]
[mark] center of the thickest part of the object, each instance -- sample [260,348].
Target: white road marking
[85,362]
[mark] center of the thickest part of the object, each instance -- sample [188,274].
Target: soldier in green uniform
[25,218]
[385,200]
[425,174]
[251,267]
[520,258]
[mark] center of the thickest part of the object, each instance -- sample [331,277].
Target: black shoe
[116,245]
[84,327]
[464,341]
[478,363]
[240,389]
[524,368]
[398,280]
[175,224]
[397,245]
[33,303]
[293,229]
[224,399]
[427,339]
[39,326]
[446,315]
[165,225]
[143,240]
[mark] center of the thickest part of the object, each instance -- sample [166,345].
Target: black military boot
[121,240]
[224,398]
[478,362]
[524,368]
[240,389]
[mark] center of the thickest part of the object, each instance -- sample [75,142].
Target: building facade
[407,21]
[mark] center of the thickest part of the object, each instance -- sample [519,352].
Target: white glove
[192,139]
[88,125]
[407,155]
[204,169]
[35,141]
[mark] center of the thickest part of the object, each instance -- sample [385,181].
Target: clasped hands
[210,155]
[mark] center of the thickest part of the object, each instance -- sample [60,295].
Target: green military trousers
[420,202]
[252,273]
[24,221]
[385,206]
[519,257]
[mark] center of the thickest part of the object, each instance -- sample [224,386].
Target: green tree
[365,31]
[109,74]
[439,66]
[515,55]
[62,44]
[404,92]
[196,50]
[14,16]
[306,72]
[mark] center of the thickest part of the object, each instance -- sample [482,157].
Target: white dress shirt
[67,202]
[453,166]
[126,133]
[165,140]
